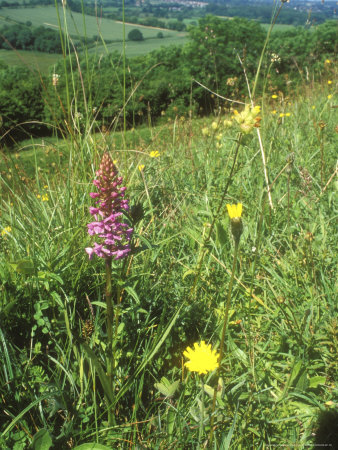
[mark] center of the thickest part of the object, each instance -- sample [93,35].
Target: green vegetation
[135,35]
[217,328]
[26,37]
[73,22]
[39,61]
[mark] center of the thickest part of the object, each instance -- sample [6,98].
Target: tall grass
[277,373]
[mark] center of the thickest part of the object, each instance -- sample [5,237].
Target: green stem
[201,427]
[224,329]
[124,71]
[109,320]
[212,226]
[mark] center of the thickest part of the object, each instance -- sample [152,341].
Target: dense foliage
[163,82]
[26,37]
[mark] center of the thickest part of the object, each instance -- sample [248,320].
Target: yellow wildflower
[329,81]
[274,96]
[5,231]
[313,107]
[329,96]
[274,112]
[45,198]
[235,211]
[202,358]
[214,125]
[287,114]
[141,167]
[327,61]
[205,131]
[281,115]
[154,154]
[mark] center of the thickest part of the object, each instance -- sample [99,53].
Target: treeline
[26,37]
[163,82]
[14,4]
[262,12]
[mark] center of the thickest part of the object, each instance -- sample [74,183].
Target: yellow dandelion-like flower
[154,154]
[214,125]
[274,112]
[45,198]
[274,96]
[227,123]
[327,61]
[281,115]
[313,107]
[205,131]
[235,211]
[287,114]
[115,161]
[38,196]
[329,96]
[5,231]
[202,358]
[45,186]
[141,167]
[329,81]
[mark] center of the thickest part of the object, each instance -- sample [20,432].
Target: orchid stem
[109,319]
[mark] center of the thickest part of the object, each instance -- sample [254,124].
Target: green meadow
[39,61]
[77,25]
[170,285]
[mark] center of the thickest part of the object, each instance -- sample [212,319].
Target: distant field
[140,48]
[47,16]
[34,60]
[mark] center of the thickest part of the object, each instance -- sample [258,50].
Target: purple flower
[110,203]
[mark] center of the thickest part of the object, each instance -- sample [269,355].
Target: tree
[135,35]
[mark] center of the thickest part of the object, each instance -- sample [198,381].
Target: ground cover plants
[173,286]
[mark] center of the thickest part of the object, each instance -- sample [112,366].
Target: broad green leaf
[24,266]
[42,440]
[314,381]
[166,388]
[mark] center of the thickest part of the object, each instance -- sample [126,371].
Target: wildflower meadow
[172,283]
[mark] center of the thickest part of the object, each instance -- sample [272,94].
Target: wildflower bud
[235,213]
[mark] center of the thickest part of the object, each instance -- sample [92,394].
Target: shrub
[135,35]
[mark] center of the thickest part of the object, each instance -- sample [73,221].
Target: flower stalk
[115,242]
[235,212]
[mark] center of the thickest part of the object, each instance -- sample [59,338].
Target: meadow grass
[39,61]
[137,48]
[270,301]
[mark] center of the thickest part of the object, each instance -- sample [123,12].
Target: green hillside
[168,244]
[76,24]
